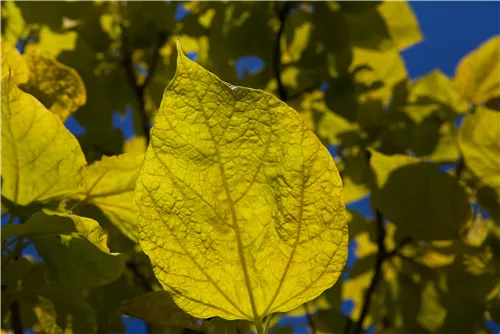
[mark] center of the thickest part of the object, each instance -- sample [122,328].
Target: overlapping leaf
[80,259]
[109,184]
[232,176]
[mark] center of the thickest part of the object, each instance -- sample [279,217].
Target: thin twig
[381,255]
[131,75]
[282,15]
[397,250]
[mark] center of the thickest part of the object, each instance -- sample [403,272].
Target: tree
[229,213]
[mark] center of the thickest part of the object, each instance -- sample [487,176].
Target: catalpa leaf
[240,205]
[109,184]
[59,87]
[403,195]
[79,259]
[13,61]
[476,77]
[158,307]
[41,159]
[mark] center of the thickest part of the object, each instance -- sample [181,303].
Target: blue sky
[450,29]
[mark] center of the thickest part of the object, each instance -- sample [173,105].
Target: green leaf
[38,225]
[476,76]
[110,185]
[240,206]
[423,202]
[158,307]
[15,63]
[480,145]
[59,87]
[41,159]
[80,259]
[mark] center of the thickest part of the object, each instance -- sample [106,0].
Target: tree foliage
[223,211]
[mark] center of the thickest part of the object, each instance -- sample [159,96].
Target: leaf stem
[282,15]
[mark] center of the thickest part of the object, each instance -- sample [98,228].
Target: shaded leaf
[80,259]
[408,193]
[158,307]
[240,187]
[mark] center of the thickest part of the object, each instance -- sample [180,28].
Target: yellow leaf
[59,87]
[41,159]
[13,61]
[136,144]
[401,23]
[240,205]
[53,43]
[387,67]
[109,184]
[479,141]
[477,77]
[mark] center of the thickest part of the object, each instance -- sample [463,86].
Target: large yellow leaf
[13,61]
[41,159]
[59,87]
[479,141]
[477,77]
[240,205]
[109,184]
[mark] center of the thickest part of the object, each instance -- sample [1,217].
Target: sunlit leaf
[64,254]
[404,197]
[59,87]
[41,159]
[13,62]
[476,77]
[109,184]
[233,177]
[480,145]
[434,94]
[158,307]
[390,25]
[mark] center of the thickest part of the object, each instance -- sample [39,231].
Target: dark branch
[139,276]
[310,320]
[131,75]
[282,15]
[15,318]
[381,255]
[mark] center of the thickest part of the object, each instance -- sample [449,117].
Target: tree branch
[15,318]
[282,15]
[131,75]
[381,255]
